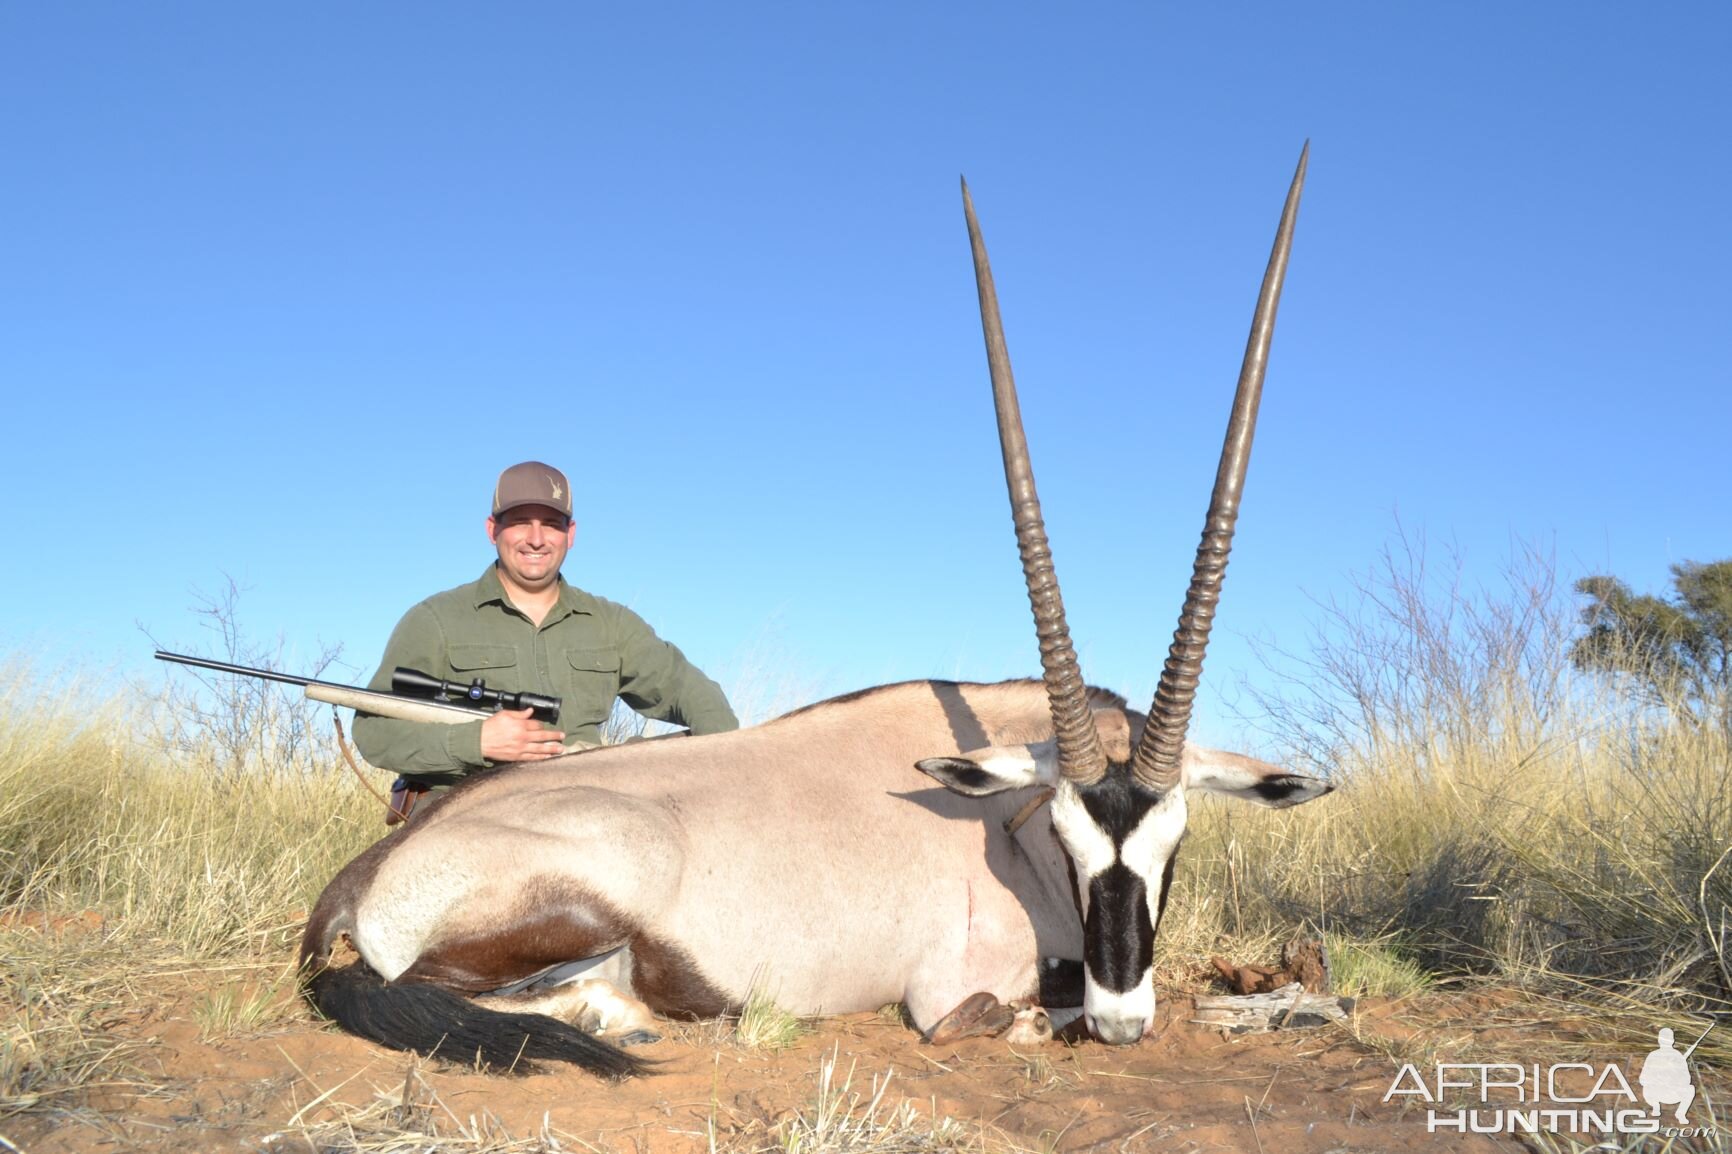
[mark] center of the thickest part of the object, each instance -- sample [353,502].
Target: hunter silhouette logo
[1560,1097]
[1665,1076]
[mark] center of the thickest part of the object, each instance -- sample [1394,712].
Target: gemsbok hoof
[979,1015]
[1031,1028]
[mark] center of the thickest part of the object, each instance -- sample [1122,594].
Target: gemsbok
[808,856]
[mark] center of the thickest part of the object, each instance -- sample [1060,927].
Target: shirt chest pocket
[477,659]
[594,678]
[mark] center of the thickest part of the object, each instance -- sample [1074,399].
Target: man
[522,627]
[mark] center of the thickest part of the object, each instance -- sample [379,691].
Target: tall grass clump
[123,853]
[763,1025]
[97,814]
[1498,813]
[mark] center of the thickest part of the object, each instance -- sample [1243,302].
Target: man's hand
[514,735]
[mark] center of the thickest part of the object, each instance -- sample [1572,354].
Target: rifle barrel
[244,671]
[361,700]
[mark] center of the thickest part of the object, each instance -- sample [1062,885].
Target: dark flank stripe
[554,922]
[425,1011]
[551,922]
[667,979]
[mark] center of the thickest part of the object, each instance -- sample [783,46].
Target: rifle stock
[389,705]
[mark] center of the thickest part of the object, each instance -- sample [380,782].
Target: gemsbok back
[807,856]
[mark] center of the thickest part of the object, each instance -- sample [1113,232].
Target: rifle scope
[413,681]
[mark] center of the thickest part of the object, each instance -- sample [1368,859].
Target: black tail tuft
[438,1023]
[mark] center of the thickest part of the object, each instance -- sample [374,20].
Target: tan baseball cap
[532,483]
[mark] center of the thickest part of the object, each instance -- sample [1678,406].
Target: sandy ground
[302,1085]
[1186,1089]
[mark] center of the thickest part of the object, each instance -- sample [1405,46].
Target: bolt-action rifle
[414,696]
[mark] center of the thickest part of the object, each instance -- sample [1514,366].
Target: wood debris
[1291,1007]
[1294,996]
[1303,960]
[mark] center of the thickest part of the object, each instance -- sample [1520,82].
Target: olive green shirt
[586,652]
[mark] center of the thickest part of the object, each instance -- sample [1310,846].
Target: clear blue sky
[284,287]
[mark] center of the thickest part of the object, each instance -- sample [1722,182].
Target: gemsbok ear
[983,772]
[1246,778]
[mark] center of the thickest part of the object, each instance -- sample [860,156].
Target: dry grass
[410,1120]
[760,1025]
[93,816]
[843,1120]
[62,994]
[837,1119]
[1373,968]
[166,866]
[840,1119]
[249,1003]
[1499,817]
[763,1025]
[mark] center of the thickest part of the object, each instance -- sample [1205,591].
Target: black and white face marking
[1123,839]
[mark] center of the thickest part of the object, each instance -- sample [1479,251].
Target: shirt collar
[571,599]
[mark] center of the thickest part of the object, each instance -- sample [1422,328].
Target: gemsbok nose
[1117,1031]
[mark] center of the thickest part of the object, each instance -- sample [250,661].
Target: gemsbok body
[809,857]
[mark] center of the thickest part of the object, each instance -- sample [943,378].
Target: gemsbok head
[1119,780]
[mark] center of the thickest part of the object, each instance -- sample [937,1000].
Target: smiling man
[522,627]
